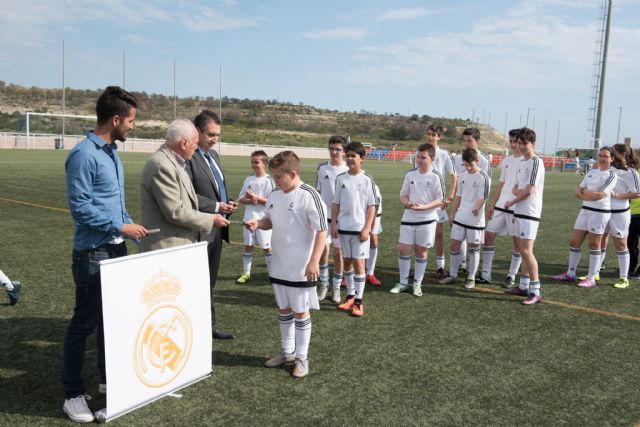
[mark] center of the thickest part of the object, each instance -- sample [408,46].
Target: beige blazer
[169,202]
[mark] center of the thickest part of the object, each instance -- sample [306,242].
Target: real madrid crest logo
[165,337]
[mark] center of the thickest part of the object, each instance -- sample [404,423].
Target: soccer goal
[45,133]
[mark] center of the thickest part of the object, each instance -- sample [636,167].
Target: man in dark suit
[207,176]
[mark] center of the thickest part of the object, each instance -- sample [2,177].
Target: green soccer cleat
[244,278]
[399,287]
[622,283]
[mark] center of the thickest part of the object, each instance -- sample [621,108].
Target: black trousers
[632,242]
[214,250]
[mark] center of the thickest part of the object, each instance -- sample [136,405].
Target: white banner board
[157,324]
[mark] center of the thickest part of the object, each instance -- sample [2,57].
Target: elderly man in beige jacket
[167,199]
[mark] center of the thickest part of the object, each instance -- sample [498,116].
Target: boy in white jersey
[627,188]
[297,216]
[527,208]
[467,223]
[370,263]
[11,287]
[254,194]
[422,193]
[595,193]
[501,219]
[326,184]
[471,139]
[442,164]
[354,211]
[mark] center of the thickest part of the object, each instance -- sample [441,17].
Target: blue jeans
[87,316]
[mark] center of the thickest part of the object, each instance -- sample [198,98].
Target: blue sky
[500,59]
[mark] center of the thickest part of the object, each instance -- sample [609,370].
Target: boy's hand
[364,234]
[251,225]
[334,230]
[312,271]
[490,212]
[475,211]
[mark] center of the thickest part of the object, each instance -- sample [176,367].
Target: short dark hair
[527,135]
[435,128]
[356,147]
[205,117]
[114,101]
[338,139]
[470,155]
[262,155]
[430,149]
[474,132]
[513,133]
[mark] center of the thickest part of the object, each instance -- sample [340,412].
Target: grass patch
[452,357]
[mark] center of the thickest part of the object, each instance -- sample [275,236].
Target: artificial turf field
[452,357]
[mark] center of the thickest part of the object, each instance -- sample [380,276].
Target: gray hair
[178,129]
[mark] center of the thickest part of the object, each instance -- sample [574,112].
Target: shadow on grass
[222,358]
[30,364]
[244,296]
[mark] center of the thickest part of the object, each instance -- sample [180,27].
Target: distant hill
[249,121]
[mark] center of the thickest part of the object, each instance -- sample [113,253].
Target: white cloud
[337,34]
[208,19]
[527,47]
[403,14]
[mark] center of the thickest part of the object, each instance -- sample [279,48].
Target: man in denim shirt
[95,189]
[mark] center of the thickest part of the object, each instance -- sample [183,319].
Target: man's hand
[312,271]
[251,225]
[134,231]
[219,221]
[227,208]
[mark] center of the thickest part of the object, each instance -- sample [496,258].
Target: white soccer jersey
[628,182]
[296,217]
[442,163]
[471,187]
[509,176]
[354,194]
[262,186]
[483,163]
[530,172]
[326,182]
[597,180]
[421,188]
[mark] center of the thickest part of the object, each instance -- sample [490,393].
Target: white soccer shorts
[472,236]
[260,238]
[526,229]
[377,226]
[442,216]
[502,223]
[352,247]
[618,225]
[299,300]
[591,221]
[421,235]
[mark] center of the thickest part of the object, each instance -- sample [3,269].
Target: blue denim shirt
[95,189]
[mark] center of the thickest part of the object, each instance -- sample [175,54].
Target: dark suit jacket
[207,190]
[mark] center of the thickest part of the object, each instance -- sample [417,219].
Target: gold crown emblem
[161,287]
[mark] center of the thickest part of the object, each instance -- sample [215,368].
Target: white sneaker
[102,389]
[417,290]
[470,284]
[335,296]
[280,359]
[322,294]
[301,369]
[77,409]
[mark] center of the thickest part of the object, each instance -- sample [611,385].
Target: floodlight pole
[174,88]
[124,67]
[596,142]
[63,101]
[619,120]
